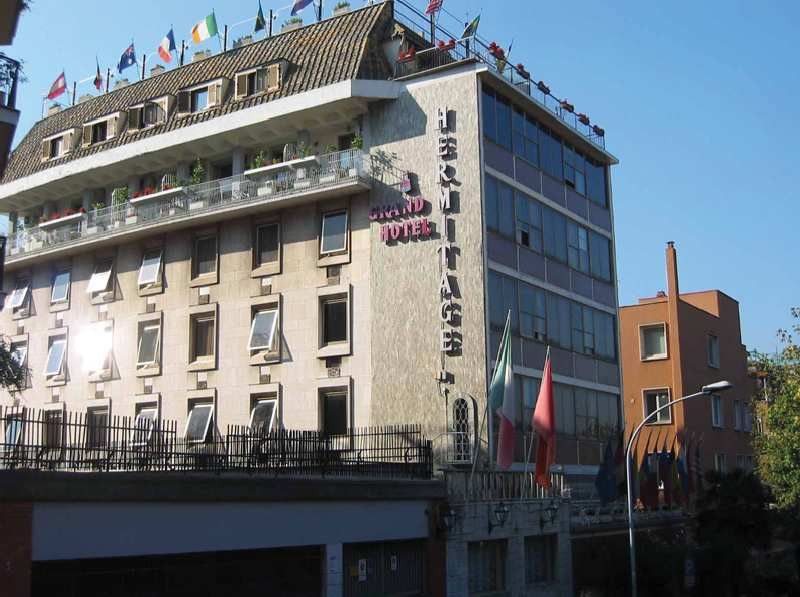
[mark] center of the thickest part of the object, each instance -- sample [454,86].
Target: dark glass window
[582,329]
[529,222]
[555,234]
[526,137]
[574,166]
[540,555]
[99,131]
[334,320]
[533,312]
[550,153]
[97,432]
[607,414]
[558,320]
[199,99]
[586,423]
[489,116]
[600,252]
[504,122]
[205,255]
[334,413]
[499,207]
[577,247]
[203,336]
[53,431]
[268,239]
[502,297]
[596,183]
[605,335]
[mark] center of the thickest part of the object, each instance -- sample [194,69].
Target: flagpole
[530,448]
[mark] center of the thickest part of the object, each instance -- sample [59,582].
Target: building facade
[672,345]
[315,232]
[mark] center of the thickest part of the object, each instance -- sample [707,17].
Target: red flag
[434,6]
[544,423]
[58,87]
[98,79]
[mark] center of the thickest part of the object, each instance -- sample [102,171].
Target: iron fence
[9,78]
[68,441]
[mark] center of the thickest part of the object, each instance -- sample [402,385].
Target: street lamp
[501,513]
[713,388]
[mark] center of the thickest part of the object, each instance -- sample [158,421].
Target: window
[600,256]
[653,342]
[555,234]
[97,428]
[55,356]
[262,418]
[150,270]
[713,351]
[550,153]
[20,294]
[748,417]
[737,415]
[532,312]
[653,400]
[487,566]
[143,425]
[526,137]
[334,232]
[574,166]
[101,278]
[334,320]
[489,114]
[720,463]
[565,409]
[199,424]
[596,183]
[499,207]
[13,430]
[267,243]
[540,559]
[205,256]
[199,99]
[582,329]
[262,330]
[203,337]
[19,353]
[53,432]
[252,82]
[577,247]
[148,114]
[586,420]
[56,147]
[503,122]
[99,131]
[608,414]
[60,291]
[559,328]
[502,298]
[605,335]
[149,341]
[716,411]
[334,413]
[529,222]
[94,346]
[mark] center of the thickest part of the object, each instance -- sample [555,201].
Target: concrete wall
[233,378]
[405,277]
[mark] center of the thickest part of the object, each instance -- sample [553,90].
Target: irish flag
[205,29]
[501,399]
[544,424]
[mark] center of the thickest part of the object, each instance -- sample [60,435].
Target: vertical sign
[449,309]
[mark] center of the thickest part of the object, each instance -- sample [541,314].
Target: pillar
[87,199]
[16,550]
[237,161]
[564,552]
[334,570]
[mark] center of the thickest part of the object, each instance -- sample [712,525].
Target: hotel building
[323,230]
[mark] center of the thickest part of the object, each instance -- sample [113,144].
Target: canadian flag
[58,87]
[544,423]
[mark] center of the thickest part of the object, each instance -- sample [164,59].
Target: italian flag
[501,399]
[205,29]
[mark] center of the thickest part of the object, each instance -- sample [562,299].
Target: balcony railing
[70,441]
[9,77]
[488,486]
[276,182]
[475,49]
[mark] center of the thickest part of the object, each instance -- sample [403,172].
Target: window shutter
[69,141]
[111,127]
[214,93]
[183,101]
[273,77]
[261,79]
[241,86]
[87,134]
[135,120]
[46,149]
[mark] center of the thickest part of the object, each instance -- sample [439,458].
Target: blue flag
[605,482]
[127,59]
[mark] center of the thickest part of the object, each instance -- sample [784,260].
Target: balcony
[72,442]
[289,183]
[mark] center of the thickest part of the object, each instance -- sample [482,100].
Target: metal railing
[9,78]
[490,485]
[478,50]
[270,184]
[70,441]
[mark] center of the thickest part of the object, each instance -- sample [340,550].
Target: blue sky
[698,101]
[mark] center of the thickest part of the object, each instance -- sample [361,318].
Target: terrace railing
[69,441]
[9,79]
[271,183]
[491,485]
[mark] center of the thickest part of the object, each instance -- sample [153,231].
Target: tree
[777,442]
[12,375]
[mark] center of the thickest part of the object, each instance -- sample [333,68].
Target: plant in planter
[341,7]
[292,23]
[259,160]
[330,148]
[198,174]
[357,142]
[97,205]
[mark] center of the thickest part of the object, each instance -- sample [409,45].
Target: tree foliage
[777,442]
[12,375]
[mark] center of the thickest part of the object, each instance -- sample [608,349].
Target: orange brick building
[673,344]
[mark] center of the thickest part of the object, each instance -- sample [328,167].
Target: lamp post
[713,388]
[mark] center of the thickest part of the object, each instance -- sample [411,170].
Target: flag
[299,5]
[604,482]
[167,46]
[620,470]
[675,479]
[434,6]
[472,28]
[698,468]
[127,59]
[544,423]
[205,29]
[683,477]
[98,79]
[58,87]
[664,475]
[261,24]
[648,487]
[501,399]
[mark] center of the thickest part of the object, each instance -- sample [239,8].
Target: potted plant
[198,176]
[341,8]
[357,142]
[291,24]
[259,160]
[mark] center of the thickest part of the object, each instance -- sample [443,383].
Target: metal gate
[391,568]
